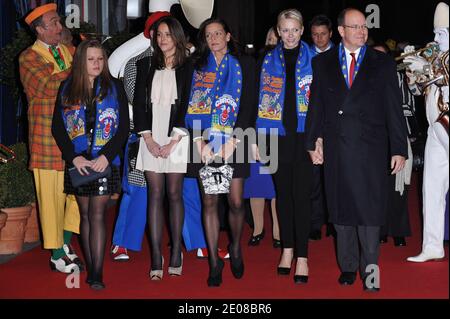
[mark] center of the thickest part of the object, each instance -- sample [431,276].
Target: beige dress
[164,94]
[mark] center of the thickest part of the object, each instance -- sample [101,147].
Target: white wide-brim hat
[441,16]
[161,5]
[197,11]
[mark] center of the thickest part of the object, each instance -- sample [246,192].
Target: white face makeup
[441,37]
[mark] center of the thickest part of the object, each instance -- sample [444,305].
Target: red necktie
[352,70]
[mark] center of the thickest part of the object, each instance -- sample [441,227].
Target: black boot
[96,281]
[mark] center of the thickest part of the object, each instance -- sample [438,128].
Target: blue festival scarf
[272,89]
[343,61]
[106,123]
[215,98]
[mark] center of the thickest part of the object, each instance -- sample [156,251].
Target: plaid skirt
[102,186]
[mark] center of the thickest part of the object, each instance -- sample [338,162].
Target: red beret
[154,17]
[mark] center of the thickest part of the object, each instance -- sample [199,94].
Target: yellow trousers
[57,211]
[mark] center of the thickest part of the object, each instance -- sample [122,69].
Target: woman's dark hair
[177,34]
[79,90]
[200,56]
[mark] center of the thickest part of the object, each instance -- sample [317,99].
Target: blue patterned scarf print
[215,98]
[272,88]
[106,123]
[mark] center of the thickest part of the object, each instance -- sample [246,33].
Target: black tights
[93,232]
[236,217]
[156,191]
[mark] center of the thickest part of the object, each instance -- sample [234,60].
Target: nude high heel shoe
[157,274]
[176,271]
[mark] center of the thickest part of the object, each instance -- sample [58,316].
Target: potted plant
[32,233]
[16,194]
[3,218]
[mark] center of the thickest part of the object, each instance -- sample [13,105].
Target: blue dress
[259,185]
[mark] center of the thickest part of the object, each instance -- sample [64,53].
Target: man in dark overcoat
[354,122]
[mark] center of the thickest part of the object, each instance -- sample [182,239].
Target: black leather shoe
[330,231]
[215,274]
[276,243]
[383,239]
[283,271]
[315,235]
[399,241]
[300,279]
[97,285]
[237,266]
[254,240]
[96,282]
[347,278]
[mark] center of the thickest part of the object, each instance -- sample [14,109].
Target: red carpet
[28,275]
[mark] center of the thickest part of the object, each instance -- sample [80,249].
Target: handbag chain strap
[215,155]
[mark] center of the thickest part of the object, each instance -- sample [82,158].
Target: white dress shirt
[349,58]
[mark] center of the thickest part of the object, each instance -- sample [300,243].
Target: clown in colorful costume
[42,68]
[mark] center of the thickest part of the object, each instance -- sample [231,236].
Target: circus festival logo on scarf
[200,102]
[224,113]
[304,86]
[106,122]
[269,108]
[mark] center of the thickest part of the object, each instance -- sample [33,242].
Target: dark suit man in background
[354,121]
[321,33]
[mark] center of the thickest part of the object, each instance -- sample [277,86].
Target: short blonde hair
[290,14]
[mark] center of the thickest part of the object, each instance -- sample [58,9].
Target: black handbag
[79,180]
